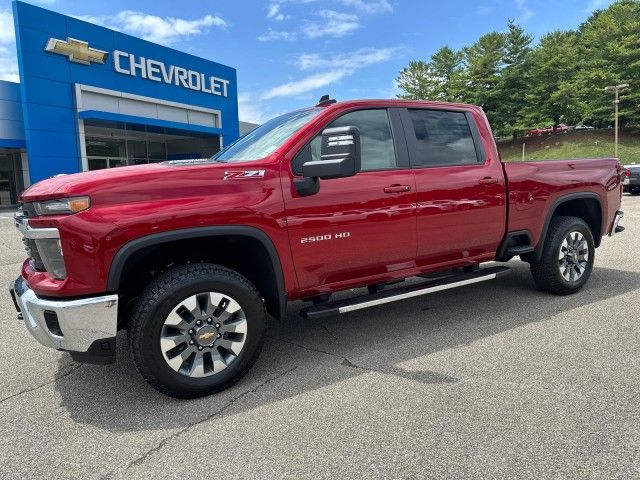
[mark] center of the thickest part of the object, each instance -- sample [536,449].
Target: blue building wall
[47,84]
[11,126]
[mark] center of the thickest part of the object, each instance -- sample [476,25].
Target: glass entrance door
[11,182]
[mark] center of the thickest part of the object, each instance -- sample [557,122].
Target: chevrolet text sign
[78,51]
[129,64]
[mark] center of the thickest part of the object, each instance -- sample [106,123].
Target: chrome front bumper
[84,325]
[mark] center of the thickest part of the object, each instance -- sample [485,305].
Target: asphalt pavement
[494,380]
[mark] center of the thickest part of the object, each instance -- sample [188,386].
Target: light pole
[616,89]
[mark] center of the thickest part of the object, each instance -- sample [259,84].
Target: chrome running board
[403,293]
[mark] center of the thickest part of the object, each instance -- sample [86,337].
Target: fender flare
[554,206]
[128,249]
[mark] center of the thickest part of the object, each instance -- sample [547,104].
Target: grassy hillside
[580,144]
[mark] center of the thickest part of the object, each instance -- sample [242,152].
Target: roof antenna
[326,100]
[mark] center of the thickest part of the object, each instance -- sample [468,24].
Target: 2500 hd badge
[322,238]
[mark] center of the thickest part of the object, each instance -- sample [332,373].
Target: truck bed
[533,188]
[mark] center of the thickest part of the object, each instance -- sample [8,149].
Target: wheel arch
[271,285]
[585,205]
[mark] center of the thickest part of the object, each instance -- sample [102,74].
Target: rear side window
[442,138]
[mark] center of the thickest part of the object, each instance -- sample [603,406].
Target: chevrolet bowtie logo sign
[77,51]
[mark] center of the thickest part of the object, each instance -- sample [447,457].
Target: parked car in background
[561,128]
[582,126]
[631,179]
[537,132]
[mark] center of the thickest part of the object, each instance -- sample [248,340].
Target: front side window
[376,140]
[442,138]
[267,138]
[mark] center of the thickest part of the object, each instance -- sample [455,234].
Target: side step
[388,296]
[520,250]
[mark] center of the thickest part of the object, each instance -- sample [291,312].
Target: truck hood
[128,181]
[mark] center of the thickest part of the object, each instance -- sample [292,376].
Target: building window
[109,153]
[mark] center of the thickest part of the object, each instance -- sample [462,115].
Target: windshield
[266,139]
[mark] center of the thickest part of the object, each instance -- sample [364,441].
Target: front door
[359,227]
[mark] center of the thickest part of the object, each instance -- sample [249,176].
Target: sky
[288,53]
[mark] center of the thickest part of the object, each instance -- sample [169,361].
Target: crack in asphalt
[142,458]
[427,377]
[73,366]
[304,347]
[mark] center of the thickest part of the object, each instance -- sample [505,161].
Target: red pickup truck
[192,256]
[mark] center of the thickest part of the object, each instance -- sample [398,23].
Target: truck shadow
[301,356]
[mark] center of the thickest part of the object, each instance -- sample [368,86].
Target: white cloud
[525,13]
[330,24]
[274,13]
[8,64]
[351,61]
[305,84]
[278,35]
[8,60]
[334,68]
[333,24]
[156,29]
[369,8]
[250,109]
[7,34]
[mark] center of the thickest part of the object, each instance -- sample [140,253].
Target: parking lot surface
[491,380]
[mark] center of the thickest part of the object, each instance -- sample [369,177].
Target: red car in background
[561,128]
[537,132]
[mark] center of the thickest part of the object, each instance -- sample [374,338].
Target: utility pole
[616,89]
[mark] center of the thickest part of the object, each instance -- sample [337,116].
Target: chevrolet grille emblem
[77,51]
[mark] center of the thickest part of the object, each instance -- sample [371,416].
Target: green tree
[551,96]
[609,47]
[437,79]
[514,81]
[561,79]
[484,61]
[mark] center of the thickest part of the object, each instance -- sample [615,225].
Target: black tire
[546,271]
[161,296]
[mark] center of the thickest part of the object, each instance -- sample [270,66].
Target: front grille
[27,210]
[32,251]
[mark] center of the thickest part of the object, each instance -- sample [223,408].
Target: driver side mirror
[339,157]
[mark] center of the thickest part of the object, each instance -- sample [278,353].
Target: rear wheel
[567,257]
[196,330]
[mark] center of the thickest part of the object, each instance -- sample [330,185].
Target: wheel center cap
[206,335]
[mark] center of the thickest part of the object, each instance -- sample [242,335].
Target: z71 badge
[233,174]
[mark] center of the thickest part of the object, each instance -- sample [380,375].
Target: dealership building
[92,98]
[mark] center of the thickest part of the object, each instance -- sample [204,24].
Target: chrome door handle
[397,189]
[488,181]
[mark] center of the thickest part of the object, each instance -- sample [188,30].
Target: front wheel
[196,330]
[567,257]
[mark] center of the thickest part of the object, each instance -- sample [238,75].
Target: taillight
[626,173]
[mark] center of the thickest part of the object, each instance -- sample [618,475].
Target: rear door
[461,209]
[362,226]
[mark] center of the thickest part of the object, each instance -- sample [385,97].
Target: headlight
[50,251]
[62,206]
